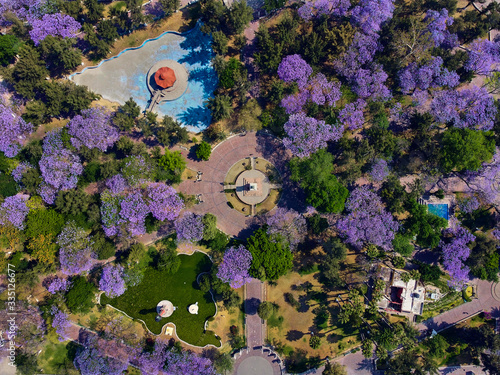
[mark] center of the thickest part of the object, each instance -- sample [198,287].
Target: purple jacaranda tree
[437,24]
[189,227]
[318,8]
[367,221]
[470,108]
[111,282]
[468,204]
[55,285]
[305,135]
[13,131]
[429,75]
[188,363]
[234,267]
[369,15]
[370,83]
[76,254]
[60,321]
[455,253]
[134,209]
[56,24]
[361,52]
[92,358]
[484,182]
[116,184]
[20,170]
[25,10]
[286,226]
[293,68]
[351,116]
[420,97]
[13,211]
[93,129]
[164,202]
[152,363]
[484,57]
[379,170]
[59,166]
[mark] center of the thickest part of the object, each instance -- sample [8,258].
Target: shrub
[203,151]
[79,298]
[315,342]
[266,310]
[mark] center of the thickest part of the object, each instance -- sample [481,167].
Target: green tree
[266,310]
[221,107]
[269,53]
[317,224]
[26,364]
[43,222]
[173,163]
[169,6]
[336,252]
[209,226]
[401,244]
[104,248]
[135,254]
[465,149]
[72,202]
[9,46]
[80,298]
[484,258]
[270,260]
[315,342]
[212,14]
[315,175]
[107,31]
[219,42]
[223,363]
[334,368]
[60,55]
[270,5]
[126,115]
[233,71]
[95,11]
[168,261]
[425,226]
[367,348]
[203,151]
[29,72]
[240,16]
[394,194]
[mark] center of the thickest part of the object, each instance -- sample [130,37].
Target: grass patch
[182,290]
[235,171]
[53,358]
[448,302]
[268,169]
[269,203]
[236,204]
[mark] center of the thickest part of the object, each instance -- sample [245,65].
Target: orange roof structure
[165,77]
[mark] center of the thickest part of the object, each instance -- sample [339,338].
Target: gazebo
[165,77]
[193,309]
[165,309]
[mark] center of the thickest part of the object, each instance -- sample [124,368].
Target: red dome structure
[165,77]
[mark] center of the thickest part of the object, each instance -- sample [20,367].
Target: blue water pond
[124,76]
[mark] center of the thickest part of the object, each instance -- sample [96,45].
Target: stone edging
[166,324]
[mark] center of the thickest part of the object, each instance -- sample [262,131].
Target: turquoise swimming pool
[438,209]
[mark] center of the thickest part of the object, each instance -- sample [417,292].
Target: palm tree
[221,107]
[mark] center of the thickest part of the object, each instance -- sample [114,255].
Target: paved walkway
[254,325]
[211,186]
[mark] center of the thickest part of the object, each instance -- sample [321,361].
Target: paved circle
[179,86]
[263,186]
[254,366]
[495,291]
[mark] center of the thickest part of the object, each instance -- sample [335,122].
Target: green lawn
[53,358]
[182,290]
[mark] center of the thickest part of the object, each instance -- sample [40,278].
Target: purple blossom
[455,253]
[189,227]
[430,75]
[361,51]
[306,135]
[93,129]
[116,184]
[484,56]
[13,211]
[93,359]
[369,83]
[484,182]
[367,222]
[25,10]
[187,363]
[419,97]
[469,205]
[164,202]
[75,254]
[380,170]
[55,285]
[111,282]
[369,15]
[20,170]
[13,131]
[293,68]
[110,213]
[288,226]
[437,28]
[351,116]
[318,8]
[294,103]
[470,108]
[56,24]
[134,210]
[61,323]
[151,363]
[234,267]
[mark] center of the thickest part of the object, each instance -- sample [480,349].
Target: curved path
[211,186]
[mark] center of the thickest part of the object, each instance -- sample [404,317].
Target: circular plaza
[231,176]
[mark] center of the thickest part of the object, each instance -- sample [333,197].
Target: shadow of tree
[251,306]
[198,116]
[294,335]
